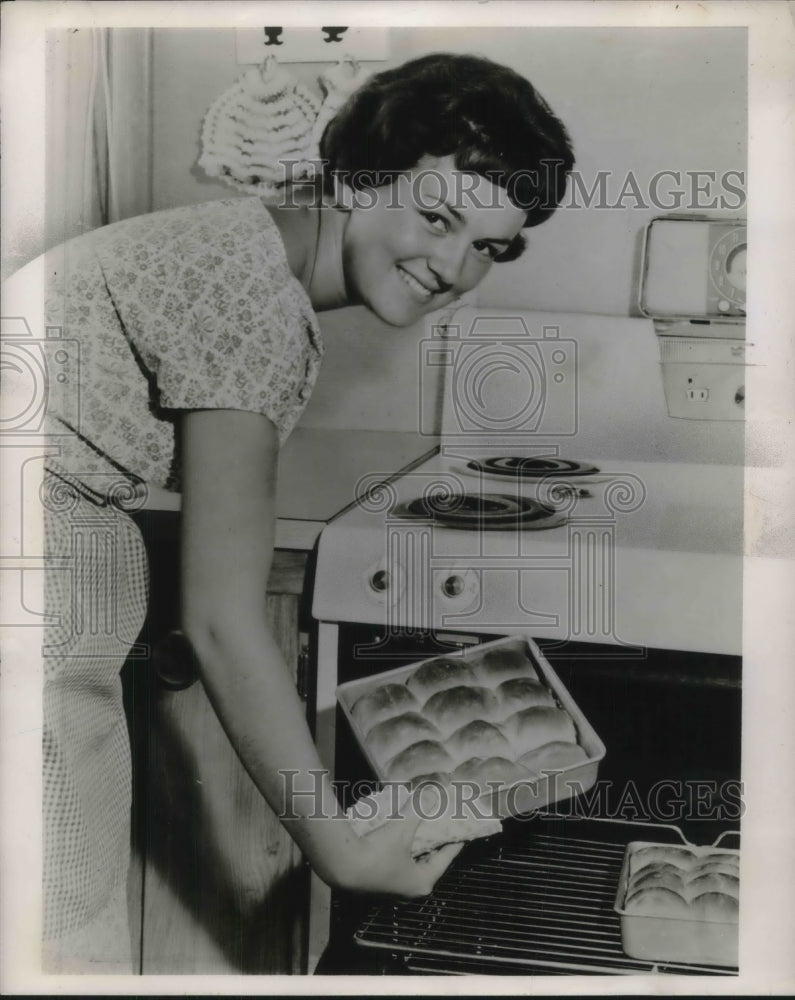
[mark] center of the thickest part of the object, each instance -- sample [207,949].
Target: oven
[671,723]
[628,576]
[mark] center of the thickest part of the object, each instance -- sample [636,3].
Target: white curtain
[99,128]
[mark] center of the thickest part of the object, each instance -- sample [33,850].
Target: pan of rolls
[495,718]
[679,903]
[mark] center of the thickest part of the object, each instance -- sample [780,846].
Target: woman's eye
[437,221]
[483,249]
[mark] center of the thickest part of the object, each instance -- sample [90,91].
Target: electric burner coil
[532,468]
[473,511]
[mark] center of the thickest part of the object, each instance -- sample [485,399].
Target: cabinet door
[225,888]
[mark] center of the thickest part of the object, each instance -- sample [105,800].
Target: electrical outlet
[705,391]
[703,378]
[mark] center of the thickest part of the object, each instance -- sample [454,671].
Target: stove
[631,569]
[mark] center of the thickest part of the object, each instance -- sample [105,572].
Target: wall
[633,99]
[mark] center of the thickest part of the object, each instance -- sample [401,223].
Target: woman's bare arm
[228,530]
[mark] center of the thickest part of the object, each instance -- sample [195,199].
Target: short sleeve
[219,321]
[264,364]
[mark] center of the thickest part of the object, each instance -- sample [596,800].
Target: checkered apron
[96,585]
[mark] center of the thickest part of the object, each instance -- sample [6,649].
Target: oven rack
[543,904]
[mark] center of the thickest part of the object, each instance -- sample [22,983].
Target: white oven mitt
[442,827]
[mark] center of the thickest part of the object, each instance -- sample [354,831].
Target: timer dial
[727,268]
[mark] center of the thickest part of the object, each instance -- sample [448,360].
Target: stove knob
[380,581]
[384,582]
[457,587]
[453,585]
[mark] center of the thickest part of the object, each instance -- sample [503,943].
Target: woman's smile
[420,290]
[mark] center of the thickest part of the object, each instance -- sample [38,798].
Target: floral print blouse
[189,308]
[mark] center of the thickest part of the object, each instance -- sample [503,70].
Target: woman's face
[416,244]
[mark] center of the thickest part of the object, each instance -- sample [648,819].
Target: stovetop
[640,552]
[654,505]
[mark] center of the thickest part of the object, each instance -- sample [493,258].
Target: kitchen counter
[318,473]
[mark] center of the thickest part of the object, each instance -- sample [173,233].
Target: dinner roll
[419,758]
[656,853]
[497,665]
[522,692]
[455,707]
[485,773]
[666,876]
[438,674]
[554,756]
[385,702]
[658,901]
[533,727]
[649,872]
[477,739]
[388,738]
[718,866]
[717,906]
[713,882]
[431,778]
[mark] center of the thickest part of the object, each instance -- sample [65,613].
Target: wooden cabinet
[224,889]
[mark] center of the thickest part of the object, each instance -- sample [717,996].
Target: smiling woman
[440,162]
[425,239]
[199,347]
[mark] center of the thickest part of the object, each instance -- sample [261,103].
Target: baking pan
[521,797]
[675,939]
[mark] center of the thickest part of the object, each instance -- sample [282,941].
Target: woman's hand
[383,861]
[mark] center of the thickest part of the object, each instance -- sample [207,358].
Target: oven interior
[539,897]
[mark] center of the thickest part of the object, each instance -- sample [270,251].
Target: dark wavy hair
[488,117]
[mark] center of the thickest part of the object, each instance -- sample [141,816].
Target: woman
[199,347]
